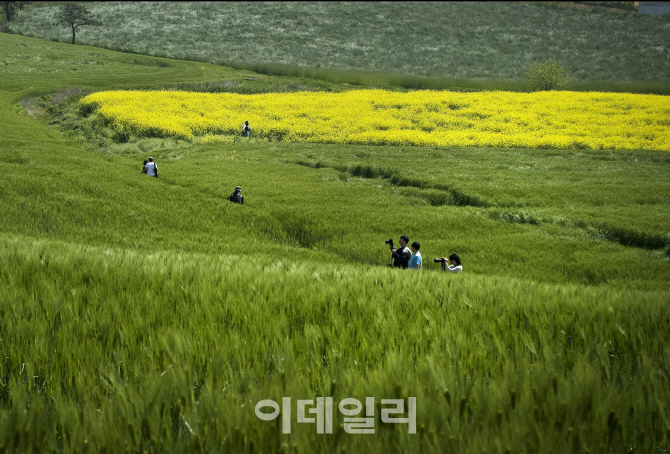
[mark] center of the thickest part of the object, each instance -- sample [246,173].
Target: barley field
[151,315]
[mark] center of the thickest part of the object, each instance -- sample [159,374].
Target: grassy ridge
[35,67]
[149,314]
[464,43]
[393,80]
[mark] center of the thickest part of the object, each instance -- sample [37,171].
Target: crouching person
[237,197]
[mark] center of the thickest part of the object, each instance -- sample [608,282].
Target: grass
[178,349]
[465,44]
[146,314]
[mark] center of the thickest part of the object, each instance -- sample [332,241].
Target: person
[246,129]
[150,168]
[454,266]
[237,197]
[415,262]
[401,256]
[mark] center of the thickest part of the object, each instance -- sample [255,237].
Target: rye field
[152,315]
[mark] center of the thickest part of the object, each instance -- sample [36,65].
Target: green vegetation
[549,75]
[145,314]
[466,44]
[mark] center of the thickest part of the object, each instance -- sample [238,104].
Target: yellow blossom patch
[554,119]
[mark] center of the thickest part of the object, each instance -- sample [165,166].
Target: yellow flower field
[484,119]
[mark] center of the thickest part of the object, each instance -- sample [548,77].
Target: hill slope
[446,39]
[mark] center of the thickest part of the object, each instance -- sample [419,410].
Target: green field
[467,44]
[143,314]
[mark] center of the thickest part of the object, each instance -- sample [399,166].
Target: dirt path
[590,7]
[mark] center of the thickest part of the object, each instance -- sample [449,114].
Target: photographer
[454,263]
[402,255]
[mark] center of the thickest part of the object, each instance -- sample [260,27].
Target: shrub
[550,75]
[121,136]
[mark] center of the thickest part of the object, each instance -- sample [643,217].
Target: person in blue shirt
[415,262]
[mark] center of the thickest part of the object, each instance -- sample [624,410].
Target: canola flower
[553,119]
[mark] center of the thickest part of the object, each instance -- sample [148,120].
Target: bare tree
[74,16]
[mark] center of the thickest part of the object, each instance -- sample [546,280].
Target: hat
[238,189]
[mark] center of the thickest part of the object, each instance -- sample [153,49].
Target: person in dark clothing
[236,196]
[402,255]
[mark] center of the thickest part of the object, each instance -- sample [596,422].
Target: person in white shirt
[454,264]
[246,129]
[150,168]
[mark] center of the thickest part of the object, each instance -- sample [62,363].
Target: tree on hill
[74,16]
[10,9]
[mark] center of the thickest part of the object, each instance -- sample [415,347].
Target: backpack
[235,197]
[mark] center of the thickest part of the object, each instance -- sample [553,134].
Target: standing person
[246,129]
[402,255]
[150,168]
[237,197]
[416,262]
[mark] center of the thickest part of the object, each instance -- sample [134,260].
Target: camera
[389,242]
[440,260]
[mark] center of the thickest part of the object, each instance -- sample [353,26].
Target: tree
[549,75]
[10,9]
[74,16]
